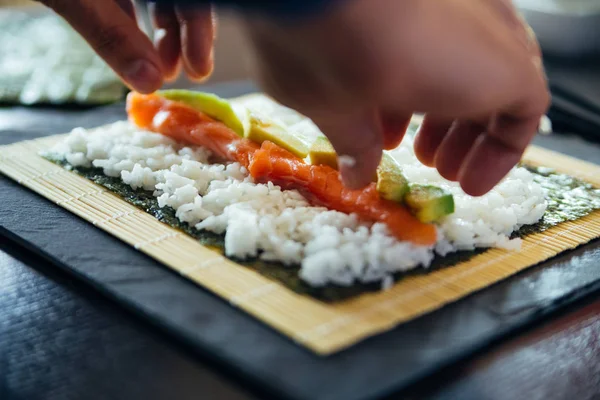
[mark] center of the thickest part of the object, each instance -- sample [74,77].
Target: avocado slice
[322,153]
[262,129]
[391,183]
[235,117]
[429,203]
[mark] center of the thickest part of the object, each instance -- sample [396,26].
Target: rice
[262,220]
[346,161]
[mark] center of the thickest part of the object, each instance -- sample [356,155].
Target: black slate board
[253,352]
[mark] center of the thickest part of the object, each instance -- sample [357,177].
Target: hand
[184,37]
[362,69]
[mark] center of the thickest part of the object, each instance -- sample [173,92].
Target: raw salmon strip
[187,125]
[320,184]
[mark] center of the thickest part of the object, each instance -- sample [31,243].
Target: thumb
[358,140]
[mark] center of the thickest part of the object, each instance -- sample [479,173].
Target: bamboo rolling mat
[323,328]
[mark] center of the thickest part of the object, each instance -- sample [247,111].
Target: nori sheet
[568,199]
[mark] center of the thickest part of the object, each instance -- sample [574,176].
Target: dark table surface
[47,318]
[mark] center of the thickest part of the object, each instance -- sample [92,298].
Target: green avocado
[322,153]
[429,203]
[235,117]
[391,183]
[262,129]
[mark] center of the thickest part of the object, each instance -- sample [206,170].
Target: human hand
[362,69]
[184,36]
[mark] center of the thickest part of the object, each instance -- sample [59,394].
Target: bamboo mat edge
[323,328]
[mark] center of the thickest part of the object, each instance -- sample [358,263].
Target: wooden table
[559,360]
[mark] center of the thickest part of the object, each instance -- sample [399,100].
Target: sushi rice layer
[261,220]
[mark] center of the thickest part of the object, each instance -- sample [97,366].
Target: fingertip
[357,139]
[455,148]
[200,70]
[197,40]
[394,128]
[425,157]
[116,38]
[356,175]
[358,165]
[143,76]
[429,138]
[445,165]
[172,75]
[487,164]
[474,191]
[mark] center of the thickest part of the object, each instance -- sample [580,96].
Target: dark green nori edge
[561,207]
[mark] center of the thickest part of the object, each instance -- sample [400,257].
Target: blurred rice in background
[43,61]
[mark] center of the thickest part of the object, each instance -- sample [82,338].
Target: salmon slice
[188,125]
[320,184]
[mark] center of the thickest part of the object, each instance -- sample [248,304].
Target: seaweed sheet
[568,199]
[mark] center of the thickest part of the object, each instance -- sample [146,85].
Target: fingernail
[173,76]
[205,72]
[143,76]
[203,64]
[350,176]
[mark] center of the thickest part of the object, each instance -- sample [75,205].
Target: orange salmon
[320,184]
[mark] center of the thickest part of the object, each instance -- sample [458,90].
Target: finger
[534,49]
[508,12]
[455,147]
[167,38]
[495,153]
[394,128]
[478,174]
[534,44]
[519,25]
[128,7]
[198,29]
[526,35]
[500,149]
[358,141]
[116,38]
[430,137]
[355,133]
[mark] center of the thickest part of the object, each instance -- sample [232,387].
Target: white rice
[346,161]
[261,220]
